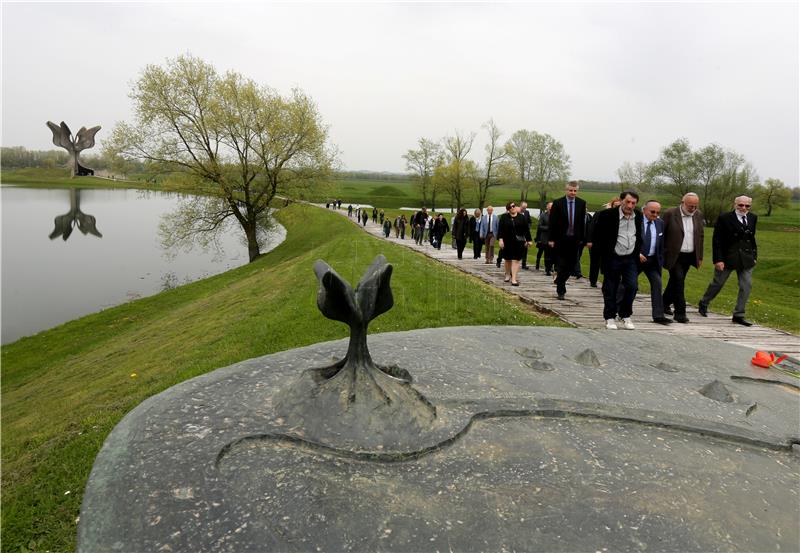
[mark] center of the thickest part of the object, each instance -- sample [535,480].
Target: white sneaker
[611,324]
[628,323]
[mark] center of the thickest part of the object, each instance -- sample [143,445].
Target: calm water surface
[112,254]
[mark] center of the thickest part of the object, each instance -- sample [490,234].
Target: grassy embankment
[64,389]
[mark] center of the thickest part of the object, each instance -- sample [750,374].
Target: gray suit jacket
[483,228]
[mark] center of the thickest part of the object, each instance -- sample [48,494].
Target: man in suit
[651,257]
[734,249]
[683,248]
[474,233]
[488,232]
[617,235]
[566,233]
[526,216]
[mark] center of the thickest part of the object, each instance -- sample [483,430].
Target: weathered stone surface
[624,455]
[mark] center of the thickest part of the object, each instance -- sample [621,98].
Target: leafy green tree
[519,150]
[773,193]
[710,163]
[246,142]
[676,170]
[422,162]
[737,178]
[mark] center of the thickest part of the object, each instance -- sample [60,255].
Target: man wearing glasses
[734,249]
[683,248]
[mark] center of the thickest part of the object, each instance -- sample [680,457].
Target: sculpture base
[551,439]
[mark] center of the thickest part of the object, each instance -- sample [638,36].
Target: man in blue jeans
[618,235]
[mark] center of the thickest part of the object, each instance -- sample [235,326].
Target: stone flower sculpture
[355,396]
[84,140]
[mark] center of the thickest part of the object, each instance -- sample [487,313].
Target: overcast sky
[613,82]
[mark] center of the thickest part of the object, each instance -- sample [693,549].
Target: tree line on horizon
[249,145]
[538,163]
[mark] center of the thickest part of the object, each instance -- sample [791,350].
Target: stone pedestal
[541,439]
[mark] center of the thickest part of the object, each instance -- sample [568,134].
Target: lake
[67,253]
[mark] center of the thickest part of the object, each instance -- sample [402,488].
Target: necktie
[489,229]
[744,221]
[571,213]
[648,237]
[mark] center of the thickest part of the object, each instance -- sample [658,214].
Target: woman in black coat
[515,237]
[461,231]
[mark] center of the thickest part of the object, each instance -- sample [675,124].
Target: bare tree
[456,174]
[635,176]
[539,160]
[495,153]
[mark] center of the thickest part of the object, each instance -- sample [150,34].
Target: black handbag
[520,238]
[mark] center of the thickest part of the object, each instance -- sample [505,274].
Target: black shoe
[497,264]
[537,267]
[578,276]
[668,311]
[515,284]
[741,321]
[680,318]
[593,284]
[561,296]
[702,308]
[662,320]
[547,273]
[524,267]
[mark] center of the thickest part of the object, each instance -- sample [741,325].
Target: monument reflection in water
[47,280]
[64,224]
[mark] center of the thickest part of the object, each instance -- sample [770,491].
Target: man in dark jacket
[438,230]
[734,249]
[683,248]
[475,234]
[418,222]
[542,231]
[651,258]
[566,233]
[527,217]
[617,234]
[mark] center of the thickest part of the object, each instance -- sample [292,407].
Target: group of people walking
[623,242]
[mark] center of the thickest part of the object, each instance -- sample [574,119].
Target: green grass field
[65,389]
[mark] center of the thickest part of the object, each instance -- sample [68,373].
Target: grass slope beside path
[64,389]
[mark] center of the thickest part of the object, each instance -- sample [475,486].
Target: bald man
[683,248]
[734,249]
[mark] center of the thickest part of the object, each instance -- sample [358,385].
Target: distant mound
[387,190]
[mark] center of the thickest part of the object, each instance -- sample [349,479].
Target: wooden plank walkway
[583,306]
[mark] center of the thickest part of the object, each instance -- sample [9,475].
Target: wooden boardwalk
[583,306]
